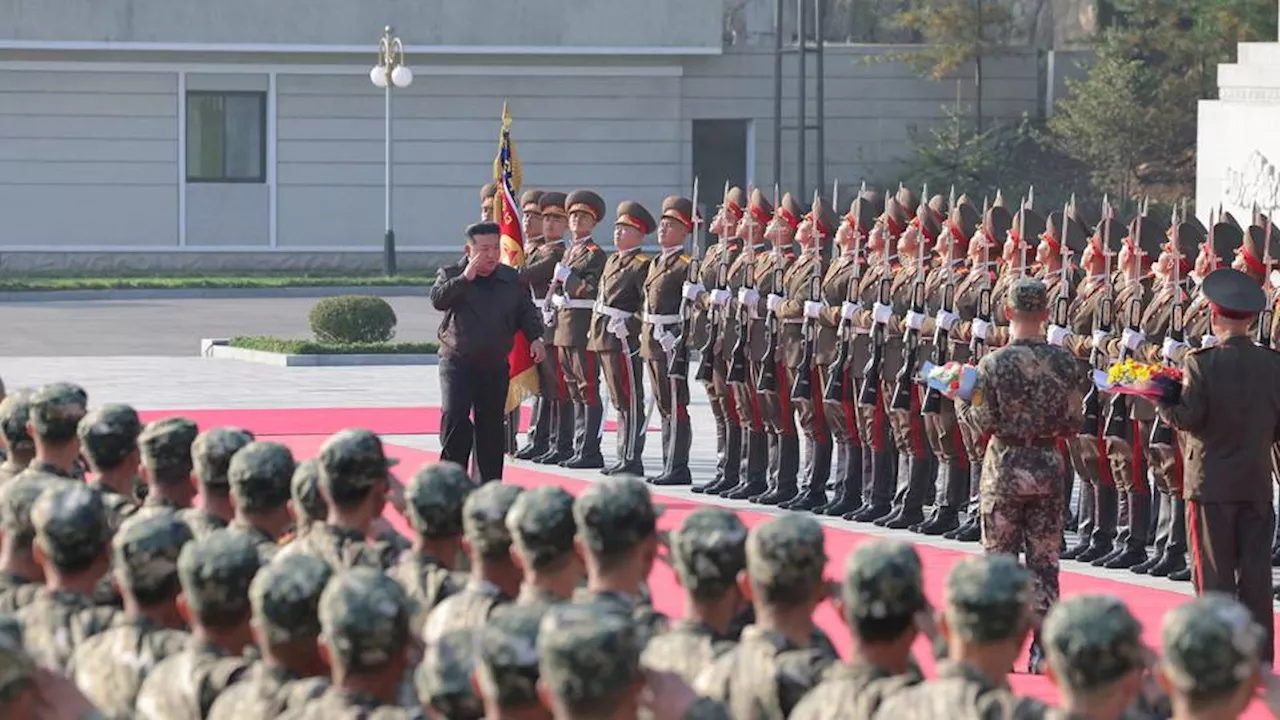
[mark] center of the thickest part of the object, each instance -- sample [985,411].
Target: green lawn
[310,347]
[182,282]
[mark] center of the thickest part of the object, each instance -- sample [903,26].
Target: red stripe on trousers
[625,378]
[1104,462]
[850,417]
[878,419]
[731,409]
[787,423]
[757,419]
[917,423]
[592,393]
[1176,480]
[1193,539]
[819,415]
[1135,460]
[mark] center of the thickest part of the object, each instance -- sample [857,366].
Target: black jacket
[482,316]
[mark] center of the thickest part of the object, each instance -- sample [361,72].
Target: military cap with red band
[760,208]
[824,220]
[679,209]
[585,201]
[553,203]
[633,214]
[789,211]
[531,201]
[862,214]
[735,200]
[1232,294]
[927,222]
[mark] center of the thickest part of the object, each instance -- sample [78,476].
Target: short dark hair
[882,630]
[482,228]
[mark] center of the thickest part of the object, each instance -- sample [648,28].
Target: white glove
[1170,348]
[1208,341]
[1100,339]
[1058,335]
[558,301]
[980,329]
[946,320]
[915,320]
[881,313]
[1132,338]
[813,310]
[667,341]
[772,302]
[720,297]
[848,310]
[562,272]
[691,291]
[749,297]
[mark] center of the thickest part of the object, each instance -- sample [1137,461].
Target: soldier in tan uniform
[800,313]
[615,330]
[712,303]
[487,193]
[536,273]
[575,283]
[740,336]
[539,273]
[659,332]
[775,403]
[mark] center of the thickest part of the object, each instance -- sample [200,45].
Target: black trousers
[474,397]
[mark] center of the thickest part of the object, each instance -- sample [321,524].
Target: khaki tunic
[586,260]
[622,287]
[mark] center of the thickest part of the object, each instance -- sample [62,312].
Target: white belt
[861,331]
[662,319]
[617,320]
[565,303]
[612,312]
[540,301]
[793,321]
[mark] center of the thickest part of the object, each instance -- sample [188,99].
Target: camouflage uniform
[304,488]
[708,552]
[882,580]
[166,455]
[444,677]
[108,436]
[613,517]
[259,476]
[1211,646]
[1028,395]
[215,572]
[435,497]
[54,412]
[211,455]
[351,461]
[766,674]
[986,599]
[17,670]
[72,532]
[507,658]
[542,529]
[109,667]
[14,411]
[285,597]
[484,524]
[364,618]
[16,499]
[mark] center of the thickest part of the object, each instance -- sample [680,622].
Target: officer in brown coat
[1229,408]
[539,273]
[615,333]
[660,331]
[487,192]
[712,304]
[575,284]
[536,273]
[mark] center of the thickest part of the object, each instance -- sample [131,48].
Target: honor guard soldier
[1023,470]
[575,283]
[615,331]
[800,313]
[944,307]
[487,193]
[539,265]
[774,387]
[741,337]
[842,354]
[709,312]
[539,273]
[658,337]
[1229,409]
[531,221]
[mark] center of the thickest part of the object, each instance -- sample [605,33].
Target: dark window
[226,137]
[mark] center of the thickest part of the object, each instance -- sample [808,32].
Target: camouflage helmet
[145,555]
[882,579]
[1028,295]
[212,452]
[435,497]
[166,449]
[15,412]
[215,572]
[786,558]
[16,500]
[508,660]
[351,462]
[364,615]
[443,679]
[260,475]
[71,525]
[542,526]
[1092,641]
[285,596]
[709,549]
[56,409]
[484,518]
[1211,646]
[109,434]
[304,487]
[587,653]
[987,599]
[615,515]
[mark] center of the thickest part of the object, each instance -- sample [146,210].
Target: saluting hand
[474,265]
[538,350]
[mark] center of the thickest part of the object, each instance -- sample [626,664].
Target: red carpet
[326,421]
[1148,604]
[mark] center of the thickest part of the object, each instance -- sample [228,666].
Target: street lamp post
[390,71]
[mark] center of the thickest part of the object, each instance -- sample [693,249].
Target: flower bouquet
[954,380]
[1149,380]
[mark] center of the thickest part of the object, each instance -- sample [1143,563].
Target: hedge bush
[353,319]
[290,346]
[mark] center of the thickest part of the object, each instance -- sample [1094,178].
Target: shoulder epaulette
[684,258]
[641,257]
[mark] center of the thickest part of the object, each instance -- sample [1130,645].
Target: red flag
[523,371]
